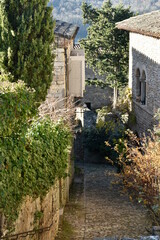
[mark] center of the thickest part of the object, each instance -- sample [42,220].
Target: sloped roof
[66,30]
[147,24]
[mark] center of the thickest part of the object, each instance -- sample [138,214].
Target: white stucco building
[144,67]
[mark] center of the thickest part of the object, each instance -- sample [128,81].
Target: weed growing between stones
[66,231]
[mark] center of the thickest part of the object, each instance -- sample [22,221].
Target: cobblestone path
[98,207]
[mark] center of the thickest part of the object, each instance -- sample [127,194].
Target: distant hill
[70,10]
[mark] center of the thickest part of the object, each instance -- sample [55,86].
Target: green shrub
[16,107]
[94,138]
[33,152]
[48,146]
[124,100]
[109,132]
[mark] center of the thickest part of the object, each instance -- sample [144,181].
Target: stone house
[144,67]
[69,65]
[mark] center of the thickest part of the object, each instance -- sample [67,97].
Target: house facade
[69,64]
[144,67]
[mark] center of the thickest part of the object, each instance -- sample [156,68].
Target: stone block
[149,238]
[59,71]
[60,57]
[106,238]
[59,64]
[127,238]
[60,83]
[156,230]
[25,219]
[59,77]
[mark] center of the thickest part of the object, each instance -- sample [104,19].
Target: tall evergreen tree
[3,38]
[106,47]
[1,27]
[29,56]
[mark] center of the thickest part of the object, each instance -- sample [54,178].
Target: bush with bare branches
[59,109]
[140,159]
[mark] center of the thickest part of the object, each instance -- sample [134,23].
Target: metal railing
[31,232]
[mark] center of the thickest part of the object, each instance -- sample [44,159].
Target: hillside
[70,10]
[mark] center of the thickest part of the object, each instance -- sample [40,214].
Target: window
[138,86]
[141,87]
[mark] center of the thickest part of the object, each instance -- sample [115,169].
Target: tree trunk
[115,96]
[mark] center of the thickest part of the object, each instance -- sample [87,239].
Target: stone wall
[62,42]
[57,89]
[59,86]
[90,74]
[65,58]
[144,55]
[144,119]
[43,214]
[97,96]
[48,207]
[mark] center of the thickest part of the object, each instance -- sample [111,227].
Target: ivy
[16,108]
[33,152]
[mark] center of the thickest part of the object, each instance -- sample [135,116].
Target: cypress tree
[29,56]
[3,38]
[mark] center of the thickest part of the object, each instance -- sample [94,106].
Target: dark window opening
[141,87]
[88,104]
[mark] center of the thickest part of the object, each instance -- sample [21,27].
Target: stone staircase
[140,238]
[155,236]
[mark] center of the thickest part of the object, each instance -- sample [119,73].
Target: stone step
[140,238]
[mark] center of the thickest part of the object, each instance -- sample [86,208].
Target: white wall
[145,55]
[146,45]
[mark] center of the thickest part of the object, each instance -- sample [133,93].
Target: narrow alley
[99,208]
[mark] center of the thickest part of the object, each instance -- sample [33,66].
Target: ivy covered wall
[34,152]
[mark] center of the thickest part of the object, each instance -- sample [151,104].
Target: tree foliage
[30,36]
[106,47]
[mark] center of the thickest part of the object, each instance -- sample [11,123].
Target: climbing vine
[33,152]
